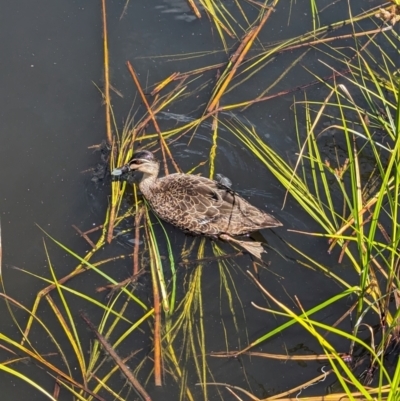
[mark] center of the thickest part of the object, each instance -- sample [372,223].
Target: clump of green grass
[357,210]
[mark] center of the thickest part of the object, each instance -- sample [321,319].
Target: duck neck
[148,182]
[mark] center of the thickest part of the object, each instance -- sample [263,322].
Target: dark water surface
[51,112]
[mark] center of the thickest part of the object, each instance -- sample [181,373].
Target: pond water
[52,112]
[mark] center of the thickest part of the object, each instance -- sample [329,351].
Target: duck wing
[230,201]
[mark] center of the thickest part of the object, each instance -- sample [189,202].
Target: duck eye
[136,161]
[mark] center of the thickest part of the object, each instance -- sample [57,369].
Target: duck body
[198,205]
[201,206]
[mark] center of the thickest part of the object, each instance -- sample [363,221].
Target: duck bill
[120,170]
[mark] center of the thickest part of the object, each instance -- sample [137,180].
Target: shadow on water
[51,113]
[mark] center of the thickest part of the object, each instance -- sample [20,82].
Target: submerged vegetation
[345,176]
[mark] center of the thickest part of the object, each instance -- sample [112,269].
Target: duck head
[143,161]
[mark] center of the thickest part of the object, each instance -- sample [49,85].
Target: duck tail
[254,248]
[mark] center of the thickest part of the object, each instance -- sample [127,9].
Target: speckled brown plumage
[201,206]
[195,204]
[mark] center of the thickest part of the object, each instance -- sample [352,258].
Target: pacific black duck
[198,205]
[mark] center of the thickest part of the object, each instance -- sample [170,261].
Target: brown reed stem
[106,75]
[348,36]
[110,351]
[164,147]
[243,49]
[194,8]
[237,59]
[157,314]
[83,235]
